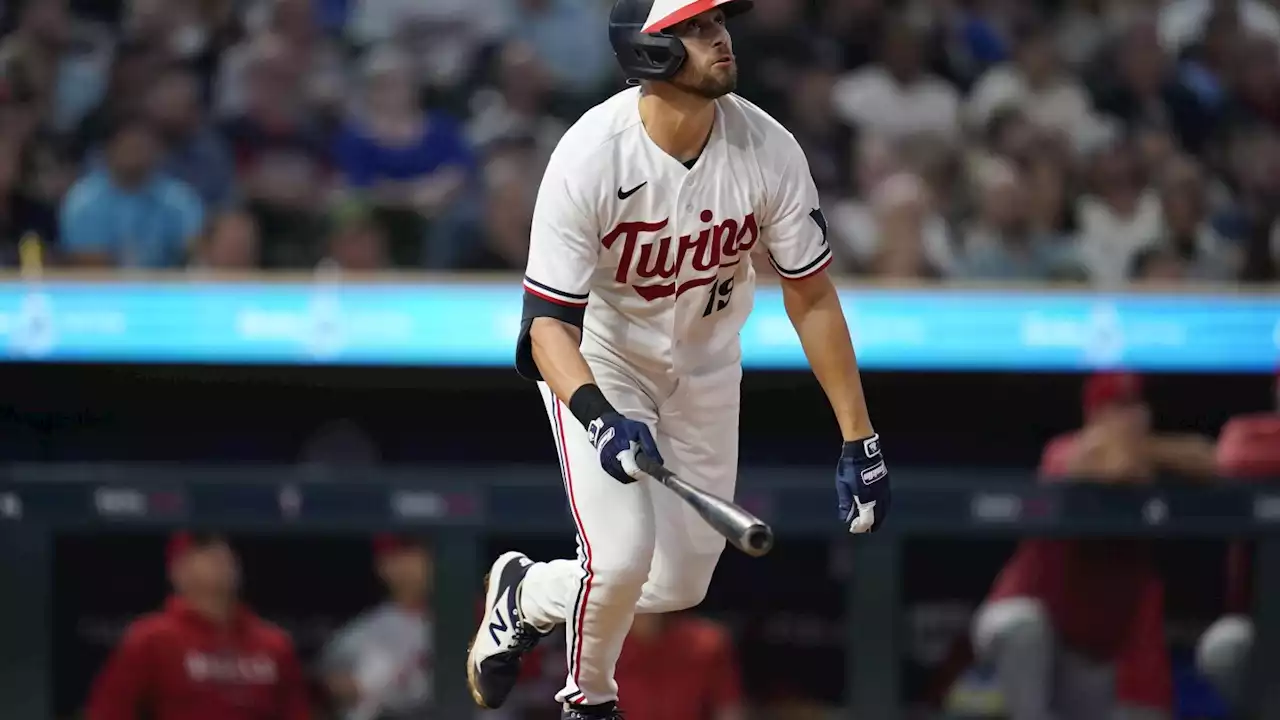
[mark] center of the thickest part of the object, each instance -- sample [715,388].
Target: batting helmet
[639,31]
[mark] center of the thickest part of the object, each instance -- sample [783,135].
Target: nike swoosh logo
[624,195]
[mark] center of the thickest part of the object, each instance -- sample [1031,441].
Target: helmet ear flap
[663,54]
[645,56]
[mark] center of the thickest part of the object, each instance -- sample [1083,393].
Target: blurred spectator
[289,31]
[379,666]
[20,213]
[61,66]
[205,655]
[410,164]
[1256,97]
[826,141]
[896,96]
[127,213]
[192,32]
[516,103]
[1037,84]
[356,240]
[1182,22]
[194,152]
[1118,217]
[1209,66]
[231,242]
[1145,90]
[911,241]
[135,64]
[581,66]
[511,178]
[1248,450]
[446,37]
[340,443]
[1063,613]
[1050,208]
[1186,233]
[1001,242]
[282,158]
[849,29]
[776,50]
[677,666]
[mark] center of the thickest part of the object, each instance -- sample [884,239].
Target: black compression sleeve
[588,403]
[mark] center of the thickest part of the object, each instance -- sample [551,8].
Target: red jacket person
[204,656]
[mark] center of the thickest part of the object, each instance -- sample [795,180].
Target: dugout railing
[459,506]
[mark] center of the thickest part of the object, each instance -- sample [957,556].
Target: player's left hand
[862,485]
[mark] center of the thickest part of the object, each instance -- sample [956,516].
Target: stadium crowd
[1090,140]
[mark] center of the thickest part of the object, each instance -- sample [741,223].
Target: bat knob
[758,540]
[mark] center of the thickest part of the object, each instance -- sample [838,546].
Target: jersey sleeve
[121,690]
[564,247]
[795,231]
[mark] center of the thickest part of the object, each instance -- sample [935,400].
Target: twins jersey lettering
[652,258]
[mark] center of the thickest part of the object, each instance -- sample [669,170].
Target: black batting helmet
[641,37]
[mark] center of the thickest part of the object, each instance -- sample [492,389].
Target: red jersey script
[178,665]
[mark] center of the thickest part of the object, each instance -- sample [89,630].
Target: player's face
[211,570]
[709,69]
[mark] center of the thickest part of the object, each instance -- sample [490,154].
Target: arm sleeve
[795,231]
[121,687]
[339,655]
[564,247]
[295,699]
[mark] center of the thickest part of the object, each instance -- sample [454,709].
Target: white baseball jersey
[652,258]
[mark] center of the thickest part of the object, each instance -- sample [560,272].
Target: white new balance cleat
[504,638]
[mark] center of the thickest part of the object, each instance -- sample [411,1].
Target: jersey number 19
[719,297]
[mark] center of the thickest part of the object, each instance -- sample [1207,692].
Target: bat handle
[652,468]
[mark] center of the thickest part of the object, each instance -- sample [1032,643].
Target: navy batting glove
[862,484]
[618,439]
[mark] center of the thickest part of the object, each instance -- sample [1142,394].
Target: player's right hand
[617,439]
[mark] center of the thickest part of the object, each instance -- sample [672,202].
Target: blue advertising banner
[436,323]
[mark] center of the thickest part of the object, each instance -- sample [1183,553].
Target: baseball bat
[747,532]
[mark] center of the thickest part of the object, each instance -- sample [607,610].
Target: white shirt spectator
[1181,22]
[874,101]
[444,34]
[1063,105]
[1108,241]
[855,224]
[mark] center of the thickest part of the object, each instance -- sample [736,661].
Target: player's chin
[722,80]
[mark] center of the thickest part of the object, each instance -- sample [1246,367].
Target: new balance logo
[874,473]
[499,624]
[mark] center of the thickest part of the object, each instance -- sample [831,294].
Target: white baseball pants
[640,548]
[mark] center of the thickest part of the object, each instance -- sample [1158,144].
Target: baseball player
[638,283]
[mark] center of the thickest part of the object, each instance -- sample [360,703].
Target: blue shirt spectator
[195,152]
[401,156]
[127,213]
[582,65]
[365,160]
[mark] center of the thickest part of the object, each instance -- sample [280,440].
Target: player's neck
[217,609]
[678,122]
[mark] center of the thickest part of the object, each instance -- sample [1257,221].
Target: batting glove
[618,438]
[862,485]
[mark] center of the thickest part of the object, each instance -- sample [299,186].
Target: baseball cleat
[493,661]
[607,711]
